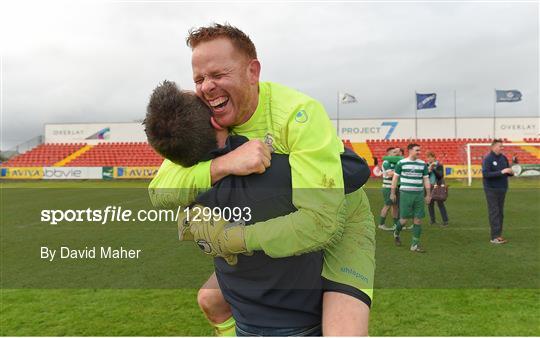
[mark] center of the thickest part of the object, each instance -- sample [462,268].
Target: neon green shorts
[349,266]
[411,204]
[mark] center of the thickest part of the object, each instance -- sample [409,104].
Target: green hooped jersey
[389,163]
[297,125]
[411,174]
[387,180]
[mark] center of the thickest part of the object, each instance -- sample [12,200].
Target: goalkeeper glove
[215,238]
[184,233]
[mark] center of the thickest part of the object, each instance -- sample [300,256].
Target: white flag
[346,98]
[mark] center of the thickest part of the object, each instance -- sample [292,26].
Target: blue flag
[426,101]
[508,95]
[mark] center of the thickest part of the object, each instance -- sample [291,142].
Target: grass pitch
[463,285]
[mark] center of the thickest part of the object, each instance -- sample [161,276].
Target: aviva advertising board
[21,173]
[134,172]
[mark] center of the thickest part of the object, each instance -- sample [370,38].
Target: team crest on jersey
[494,163]
[301,116]
[269,141]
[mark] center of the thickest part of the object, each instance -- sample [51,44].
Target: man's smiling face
[226,80]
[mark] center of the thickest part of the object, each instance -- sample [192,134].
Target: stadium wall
[356,130]
[461,171]
[512,128]
[77,173]
[93,133]
[121,173]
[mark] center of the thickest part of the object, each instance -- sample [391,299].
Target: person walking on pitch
[388,172]
[413,175]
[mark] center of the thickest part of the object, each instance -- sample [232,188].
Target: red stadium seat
[119,154]
[453,151]
[43,155]
[450,151]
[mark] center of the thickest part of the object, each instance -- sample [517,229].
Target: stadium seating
[451,151]
[448,151]
[46,154]
[103,154]
[133,154]
[532,140]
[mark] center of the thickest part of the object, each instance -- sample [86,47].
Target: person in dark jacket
[436,177]
[495,172]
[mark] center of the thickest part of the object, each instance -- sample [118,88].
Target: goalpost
[469,159]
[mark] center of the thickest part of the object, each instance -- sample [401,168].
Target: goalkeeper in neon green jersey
[226,74]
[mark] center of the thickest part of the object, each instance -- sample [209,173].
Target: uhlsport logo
[301,116]
[103,134]
[374,130]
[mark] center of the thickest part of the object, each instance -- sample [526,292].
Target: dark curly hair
[240,40]
[177,125]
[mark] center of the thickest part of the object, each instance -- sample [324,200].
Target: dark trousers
[442,209]
[495,203]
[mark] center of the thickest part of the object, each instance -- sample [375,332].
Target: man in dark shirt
[495,172]
[281,296]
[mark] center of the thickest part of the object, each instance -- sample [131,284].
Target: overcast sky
[98,62]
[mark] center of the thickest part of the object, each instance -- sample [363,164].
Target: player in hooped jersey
[387,174]
[413,176]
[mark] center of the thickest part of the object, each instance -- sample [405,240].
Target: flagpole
[494,113]
[415,115]
[337,104]
[455,116]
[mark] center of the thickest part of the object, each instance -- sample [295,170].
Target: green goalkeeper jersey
[297,125]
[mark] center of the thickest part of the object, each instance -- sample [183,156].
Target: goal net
[517,151]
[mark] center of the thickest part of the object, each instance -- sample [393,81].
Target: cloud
[98,62]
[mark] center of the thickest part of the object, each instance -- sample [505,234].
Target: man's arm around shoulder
[175,185]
